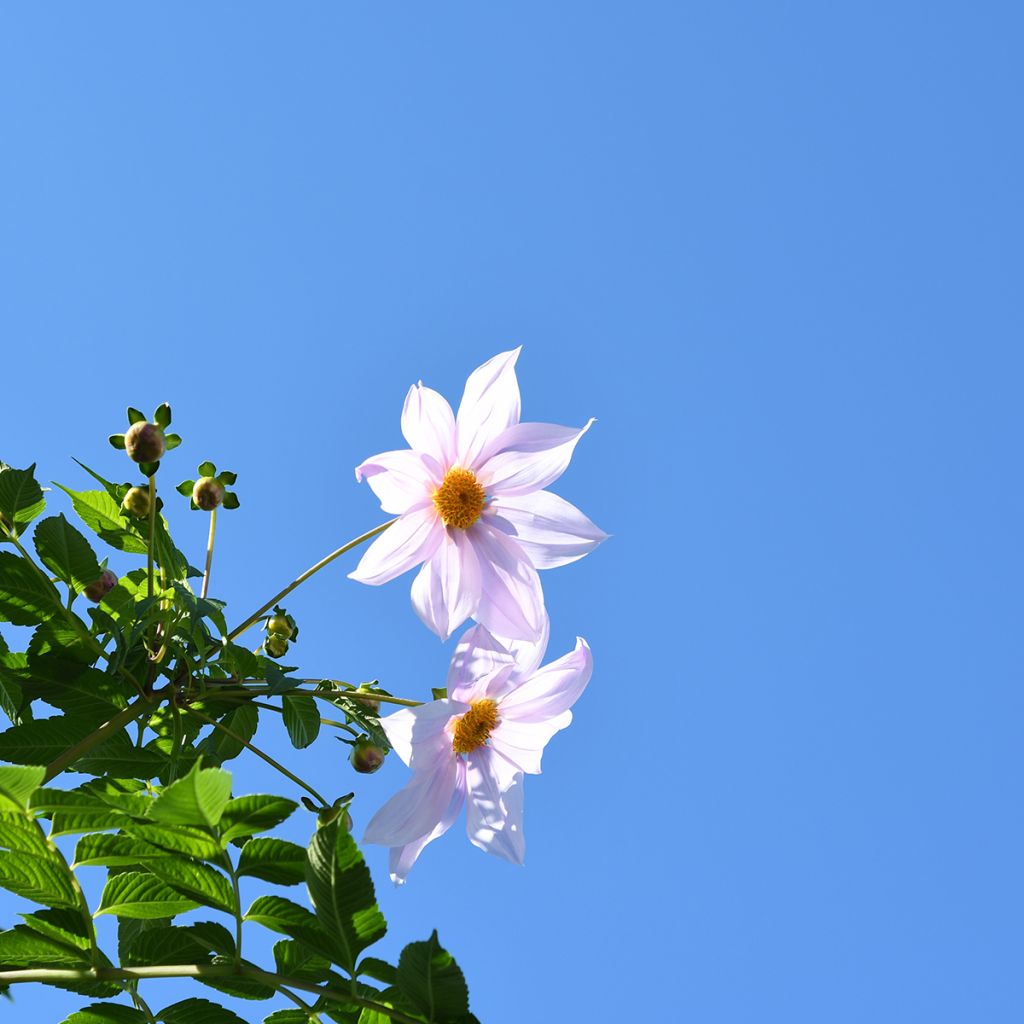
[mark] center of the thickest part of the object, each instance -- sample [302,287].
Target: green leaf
[273,860]
[83,693]
[142,895]
[243,722]
[379,970]
[21,497]
[107,1013]
[249,815]
[432,982]
[103,850]
[288,918]
[295,960]
[196,881]
[102,515]
[198,1011]
[19,833]
[295,1016]
[301,718]
[197,799]
[192,842]
[23,947]
[66,553]
[42,879]
[43,741]
[119,758]
[26,598]
[17,786]
[342,892]
[66,926]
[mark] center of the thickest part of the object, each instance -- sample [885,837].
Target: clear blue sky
[775,249]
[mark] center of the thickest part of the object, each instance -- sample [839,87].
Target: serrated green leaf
[197,881]
[273,860]
[342,893]
[107,1013]
[193,842]
[379,970]
[20,833]
[142,895]
[432,982]
[21,497]
[198,1011]
[198,799]
[102,515]
[42,879]
[242,722]
[252,814]
[57,637]
[80,691]
[295,960]
[288,918]
[65,926]
[103,850]
[295,1016]
[66,553]
[23,947]
[26,598]
[18,784]
[301,718]
[43,741]
[120,758]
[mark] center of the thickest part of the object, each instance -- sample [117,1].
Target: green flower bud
[278,625]
[366,756]
[136,501]
[98,589]
[276,646]
[208,493]
[368,702]
[144,442]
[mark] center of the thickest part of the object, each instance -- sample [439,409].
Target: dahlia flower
[474,746]
[472,509]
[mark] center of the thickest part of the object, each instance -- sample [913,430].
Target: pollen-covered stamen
[473,728]
[460,499]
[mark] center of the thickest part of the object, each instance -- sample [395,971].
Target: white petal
[553,690]
[490,404]
[481,667]
[529,457]
[416,810]
[523,743]
[548,528]
[494,805]
[447,589]
[420,732]
[402,858]
[428,424]
[511,599]
[403,480]
[412,539]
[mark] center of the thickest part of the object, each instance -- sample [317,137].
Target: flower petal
[428,424]
[403,480]
[402,858]
[511,598]
[553,690]
[490,404]
[447,588]
[417,734]
[548,528]
[494,805]
[523,743]
[481,667]
[412,539]
[416,810]
[529,457]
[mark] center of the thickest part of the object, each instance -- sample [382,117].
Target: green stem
[58,975]
[329,695]
[119,721]
[311,1014]
[305,576]
[153,531]
[238,908]
[259,753]
[280,711]
[209,552]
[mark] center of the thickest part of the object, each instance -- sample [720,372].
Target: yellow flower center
[473,728]
[460,499]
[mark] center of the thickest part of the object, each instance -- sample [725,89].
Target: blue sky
[775,249]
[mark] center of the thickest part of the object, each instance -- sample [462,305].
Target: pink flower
[472,509]
[473,747]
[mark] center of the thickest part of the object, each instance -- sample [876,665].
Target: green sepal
[207,469]
[134,416]
[227,477]
[117,441]
[171,441]
[149,468]
[162,416]
[185,487]
[230,500]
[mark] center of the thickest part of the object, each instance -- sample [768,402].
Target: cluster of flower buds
[281,631]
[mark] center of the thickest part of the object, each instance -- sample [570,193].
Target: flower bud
[276,646]
[366,756]
[136,501]
[98,589]
[278,625]
[368,702]
[208,493]
[144,442]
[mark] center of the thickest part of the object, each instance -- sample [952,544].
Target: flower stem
[329,695]
[209,552]
[63,975]
[152,532]
[305,576]
[259,753]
